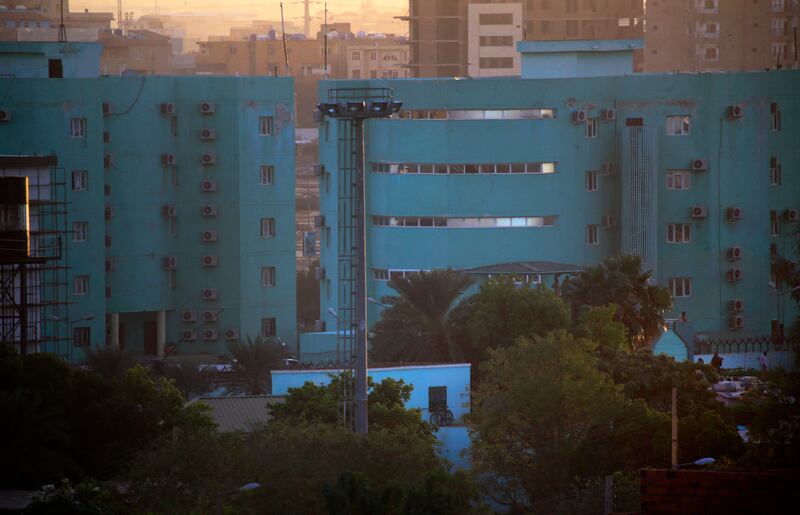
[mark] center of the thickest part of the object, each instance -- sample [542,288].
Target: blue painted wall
[30,59]
[670,344]
[738,152]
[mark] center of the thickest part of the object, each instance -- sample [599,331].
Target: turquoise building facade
[699,174]
[181,203]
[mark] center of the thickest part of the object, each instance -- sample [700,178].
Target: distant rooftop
[525,267]
[239,413]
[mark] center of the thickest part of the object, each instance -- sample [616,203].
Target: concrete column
[161,333]
[115,330]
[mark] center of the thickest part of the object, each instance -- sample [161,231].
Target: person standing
[716,362]
[762,360]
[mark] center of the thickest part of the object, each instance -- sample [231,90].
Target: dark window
[106,137]
[496,19]
[55,68]
[437,397]
[82,336]
[634,122]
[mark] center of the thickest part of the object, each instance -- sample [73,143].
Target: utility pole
[674,460]
[285,52]
[119,14]
[62,29]
[307,19]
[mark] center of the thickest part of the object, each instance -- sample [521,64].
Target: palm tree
[110,362]
[256,359]
[621,281]
[416,325]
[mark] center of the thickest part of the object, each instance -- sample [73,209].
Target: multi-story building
[478,38]
[139,52]
[714,35]
[372,58]
[180,204]
[697,173]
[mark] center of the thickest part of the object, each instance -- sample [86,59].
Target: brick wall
[699,491]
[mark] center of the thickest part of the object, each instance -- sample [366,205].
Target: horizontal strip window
[459,169]
[478,114]
[465,223]
[382,274]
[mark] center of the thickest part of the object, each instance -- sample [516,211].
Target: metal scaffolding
[34,289]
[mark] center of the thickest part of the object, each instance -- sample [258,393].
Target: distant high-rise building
[709,35]
[478,37]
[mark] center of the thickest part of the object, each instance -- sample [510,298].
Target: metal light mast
[351,107]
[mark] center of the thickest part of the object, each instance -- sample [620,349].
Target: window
[437,398]
[55,69]
[389,57]
[709,52]
[460,169]
[624,22]
[680,286]
[267,175]
[80,285]
[572,6]
[592,234]
[679,180]
[268,327]
[679,233]
[465,223]
[80,180]
[775,118]
[780,50]
[496,41]
[496,19]
[779,26]
[82,336]
[267,276]
[173,126]
[478,114]
[80,231]
[572,28]
[488,63]
[265,126]
[380,274]
[678,125]
[373,56]
[774,172]
[77,128]
[706,6]
[267,227]
[356,56]
[778,5]
[591,181]
[591,128]
[775,224]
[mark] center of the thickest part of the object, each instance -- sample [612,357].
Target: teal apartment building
[179,203]
[572,163]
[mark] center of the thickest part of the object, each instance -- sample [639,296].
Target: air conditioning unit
[608,169]
[735,111]
[106,109]
[189,335]
[609,221]
[111,264]
[5,116]
[188,316]
[168,160]
[734,214]
[209,236]
[210,334]
[207,134]
[609,114]
[208,158]
[210,316]
[699,212]
[209,294]
[231,333]
[791,215]
[737,305]
[319,220]
[108,161]
[319,325]
[699,165]
[579,116]
[208,186]
[734,275]
[209,260]
[319,169]
[170,263]
[169,211]
[735,253]
[737,322]
[168,108]
[319,274]
[208,210]
[206,108]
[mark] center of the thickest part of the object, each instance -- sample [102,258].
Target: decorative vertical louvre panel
[639,209]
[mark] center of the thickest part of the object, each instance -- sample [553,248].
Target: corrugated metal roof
[239,413]
[525,267]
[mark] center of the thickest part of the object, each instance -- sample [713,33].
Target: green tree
[110,362]
[599,324]
[415,326]
[621,281]
[541,414]
[256,359]
[501,312]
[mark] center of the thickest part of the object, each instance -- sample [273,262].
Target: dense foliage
[255,358]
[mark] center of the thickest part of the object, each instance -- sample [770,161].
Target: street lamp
[377,303]
[243,488]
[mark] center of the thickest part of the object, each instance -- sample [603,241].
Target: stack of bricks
[699,491]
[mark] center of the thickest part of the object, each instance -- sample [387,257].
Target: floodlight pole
[362,420]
